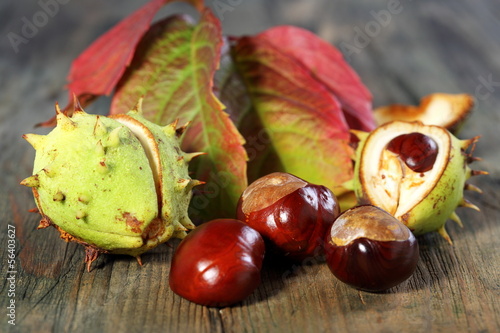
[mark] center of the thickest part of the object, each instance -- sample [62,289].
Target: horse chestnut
[370,249]
[218,263]
[417,150]
[290,213]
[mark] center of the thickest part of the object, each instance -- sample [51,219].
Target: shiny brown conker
[290,213]
[370,250]
[418,151]
[218,263]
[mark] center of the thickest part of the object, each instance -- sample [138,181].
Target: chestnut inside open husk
[416,150]
[370,250]
[290,213]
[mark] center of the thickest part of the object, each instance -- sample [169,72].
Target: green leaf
[174,70]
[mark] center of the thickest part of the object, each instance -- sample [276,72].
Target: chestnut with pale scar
[289,212]
[371,250]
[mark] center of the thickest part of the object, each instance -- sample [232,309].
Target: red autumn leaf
[99,68]
[291,121]
[327,65]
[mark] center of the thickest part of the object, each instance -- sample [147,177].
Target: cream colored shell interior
[388,182]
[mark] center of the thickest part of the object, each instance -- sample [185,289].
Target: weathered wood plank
[427,46]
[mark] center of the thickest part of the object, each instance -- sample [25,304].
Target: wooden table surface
[425,46]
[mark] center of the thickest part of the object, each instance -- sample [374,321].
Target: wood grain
[428,46]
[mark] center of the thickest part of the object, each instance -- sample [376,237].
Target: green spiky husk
[94,182]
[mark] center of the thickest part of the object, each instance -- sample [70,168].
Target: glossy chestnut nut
[370,249]
[418,151]
[218,263]
[290,213]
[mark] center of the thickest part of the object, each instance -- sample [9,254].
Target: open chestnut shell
[290,213]
[218,263]
[370,249]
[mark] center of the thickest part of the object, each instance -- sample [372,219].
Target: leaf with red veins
[327,65]
[294,123]
[159,72]
[174,73]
